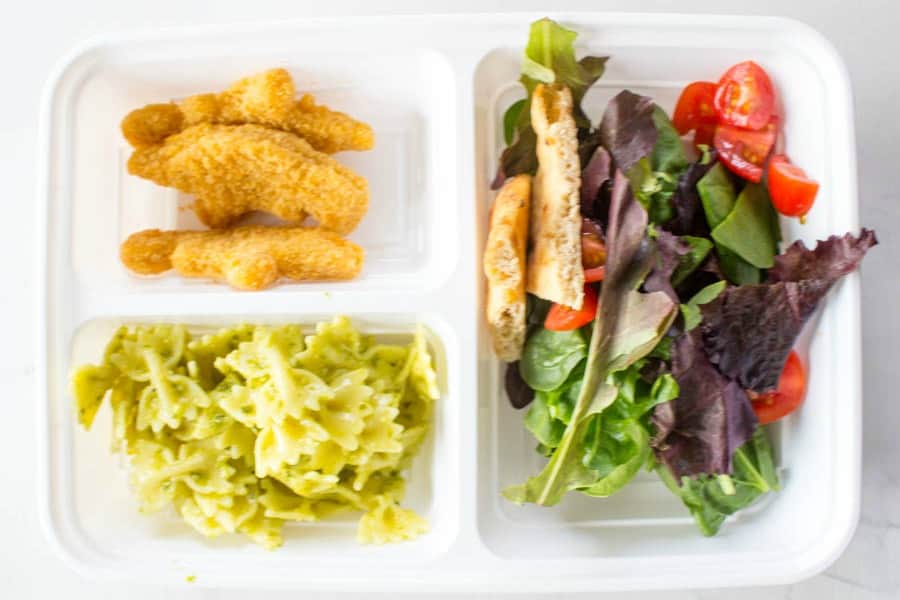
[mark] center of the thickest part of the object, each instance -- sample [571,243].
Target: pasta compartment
[123,532]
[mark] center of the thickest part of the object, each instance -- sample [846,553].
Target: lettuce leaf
[629,324]
[645,146]
[549,58]
[712,417]
[712,498]
[749,330]
[519,393]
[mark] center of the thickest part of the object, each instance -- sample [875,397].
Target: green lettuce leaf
[690,310]
[617,442]
[549,58]
[655,177]
[629,324]
[712,498]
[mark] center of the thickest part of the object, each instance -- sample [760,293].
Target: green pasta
[249,427]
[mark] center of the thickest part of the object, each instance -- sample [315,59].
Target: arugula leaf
[710,499]
[549,58]
[550,356]
[751,229]
[628,325]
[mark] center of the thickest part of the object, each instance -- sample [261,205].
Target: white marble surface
[34,33]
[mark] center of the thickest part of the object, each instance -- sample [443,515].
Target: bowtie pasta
[249,427]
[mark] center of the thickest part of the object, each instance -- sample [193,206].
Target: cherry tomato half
[792,192]
[743,151]
[595,274]
[593,250]
[789,395]
[563,318]
[695,111]
[745,96]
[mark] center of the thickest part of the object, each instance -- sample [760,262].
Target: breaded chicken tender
[251,257]
[268,99]
[236,169]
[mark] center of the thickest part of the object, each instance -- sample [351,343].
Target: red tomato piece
[789,395]
[564,318]
[695,109]
[745,96]
[743,151]
[593,250]
[705,134]
[595,274]
[792,192]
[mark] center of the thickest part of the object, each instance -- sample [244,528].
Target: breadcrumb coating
[251,257]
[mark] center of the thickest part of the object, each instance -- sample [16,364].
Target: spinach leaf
[668,152]
[719,198]
[717,195]
[690,310]
[710,499]
[549,356]
[751,229]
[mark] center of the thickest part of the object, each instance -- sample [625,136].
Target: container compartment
[644,520]
[412,116]
[96,513]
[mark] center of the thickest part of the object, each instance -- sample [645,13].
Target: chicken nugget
[236,169]
[152,122]
[268,99]
[251,257]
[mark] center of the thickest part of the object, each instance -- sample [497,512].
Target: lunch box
[434,88]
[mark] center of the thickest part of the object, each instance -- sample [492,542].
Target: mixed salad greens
[683,347]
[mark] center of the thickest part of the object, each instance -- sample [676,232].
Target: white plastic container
[434,89]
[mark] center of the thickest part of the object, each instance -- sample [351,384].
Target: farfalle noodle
[249,427]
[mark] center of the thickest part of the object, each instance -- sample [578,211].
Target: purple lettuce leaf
[749,330]
[699,431]
[689,218]
[518,392]
[627,129]
[593,177]
[829,260]
[669,251]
